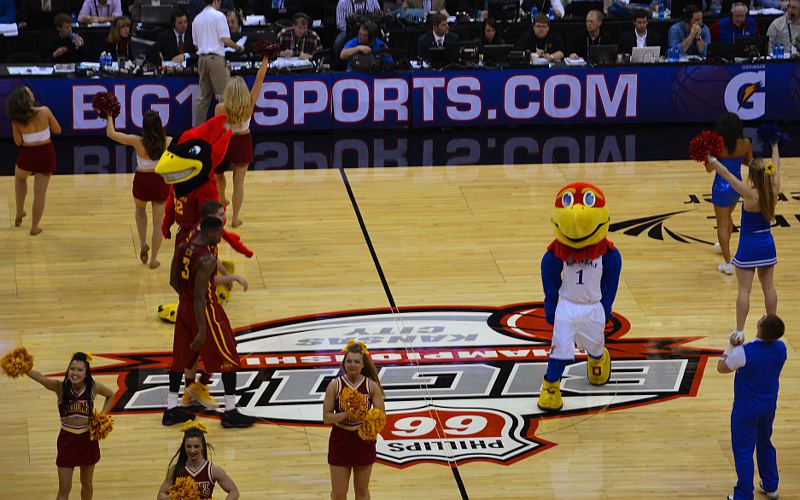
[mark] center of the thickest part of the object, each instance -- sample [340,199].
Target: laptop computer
[645,54]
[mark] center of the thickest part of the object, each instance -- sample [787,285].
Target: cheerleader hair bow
[769,168]
[191,424]
[88,354]
[353,342]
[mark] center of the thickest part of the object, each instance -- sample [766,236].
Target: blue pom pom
[770,133]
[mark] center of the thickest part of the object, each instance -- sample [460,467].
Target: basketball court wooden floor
[461,243]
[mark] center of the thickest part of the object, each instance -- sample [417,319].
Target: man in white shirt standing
[211,35]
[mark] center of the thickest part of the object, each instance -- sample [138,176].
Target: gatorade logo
[745,95]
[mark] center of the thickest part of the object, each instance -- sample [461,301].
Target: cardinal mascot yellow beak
[580,216]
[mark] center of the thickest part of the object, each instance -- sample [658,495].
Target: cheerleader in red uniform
[192,460]
[148,186]
[238,103]
[76,394]
[32,126]
[346,450]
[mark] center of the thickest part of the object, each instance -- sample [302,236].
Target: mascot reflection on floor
[580,275]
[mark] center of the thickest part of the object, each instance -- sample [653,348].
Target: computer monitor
[463,52]
[38,20]
[724,52]
[156,15]
[602,54]
[437,57]
[752,47]
[645,54]
[141,47]
[505,10]
[496,55]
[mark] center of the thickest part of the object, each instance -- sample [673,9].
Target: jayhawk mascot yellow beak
[580,276]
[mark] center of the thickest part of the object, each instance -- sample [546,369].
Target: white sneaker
[736,337]
[717,247]
[772,495]
[726,268]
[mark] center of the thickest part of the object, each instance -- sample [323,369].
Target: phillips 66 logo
[461,382]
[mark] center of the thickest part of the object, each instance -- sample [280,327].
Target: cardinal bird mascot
[580,275]
[188,167]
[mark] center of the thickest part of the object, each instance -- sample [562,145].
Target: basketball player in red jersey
[192,460]
[193,275]
[76,395]
[347,452]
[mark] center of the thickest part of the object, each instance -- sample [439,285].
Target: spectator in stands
[8,14]
[428,5]
[118,41]
[690,34]
[592,35]
[479,9]
[556,6]
[298,40]
[99,11]
[547,44]
[437,37]
[367,42]
[346,9]
[64,46]
[197,6]
[770,4]
[737,25]
[175,45]
[28,7]
[786,29]
[490,35]
[639,36]
[234,24]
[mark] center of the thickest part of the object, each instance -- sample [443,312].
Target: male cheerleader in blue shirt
[758,366]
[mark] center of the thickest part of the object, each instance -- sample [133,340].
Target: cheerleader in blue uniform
[724,196]
[756,250]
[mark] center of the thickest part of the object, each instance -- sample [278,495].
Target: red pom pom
[703,144]
[106,104]
[265,48]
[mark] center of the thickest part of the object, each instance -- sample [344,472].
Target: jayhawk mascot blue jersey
[580,275]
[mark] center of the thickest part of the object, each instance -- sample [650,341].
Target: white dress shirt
[641,41]
[208,28]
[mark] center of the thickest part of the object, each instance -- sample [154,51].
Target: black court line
[453,465]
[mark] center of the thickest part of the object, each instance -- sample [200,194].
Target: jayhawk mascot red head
[580,276]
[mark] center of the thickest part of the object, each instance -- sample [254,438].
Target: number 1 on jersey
[580,276]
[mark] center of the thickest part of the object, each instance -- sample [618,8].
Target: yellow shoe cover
[550,398]
[599,370]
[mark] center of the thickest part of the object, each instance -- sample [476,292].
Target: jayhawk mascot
[580,275]
[188,167]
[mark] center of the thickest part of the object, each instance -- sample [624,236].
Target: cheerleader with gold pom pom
[191,475]
[81,425]
[354,405]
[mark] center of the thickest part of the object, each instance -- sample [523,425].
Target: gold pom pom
[185,488]
[100,426]
[17,362]
[354,403]
[374,422]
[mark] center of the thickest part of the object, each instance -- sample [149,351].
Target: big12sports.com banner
[639,94]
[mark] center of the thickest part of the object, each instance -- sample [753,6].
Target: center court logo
[461,382]
[745,95]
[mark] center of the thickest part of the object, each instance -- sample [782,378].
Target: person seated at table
[690,34]
[8,14]
[592,35]
[737,25]
[235,24]
[118,41]
[175,45]
[544,6]
[367,42]
[428,5]
[439,36]
[197,6]
[99,11]
[786,29]
[639,36]
[346,9]
[63,46]
[541,40]
[297,40]
[489,34]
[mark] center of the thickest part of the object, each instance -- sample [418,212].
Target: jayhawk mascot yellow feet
[580,276]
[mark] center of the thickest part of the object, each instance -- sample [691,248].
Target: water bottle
[551,15]
[534,11]
[74,19]
[660,10]
[781,52]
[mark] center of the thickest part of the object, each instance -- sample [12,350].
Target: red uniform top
[203,476]
[361,386]
[75,416]
[187,209]
[191,255]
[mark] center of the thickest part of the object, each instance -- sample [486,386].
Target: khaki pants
[214,76]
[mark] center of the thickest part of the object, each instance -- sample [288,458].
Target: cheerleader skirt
[756,250]
[723,194]
[149,186]
[76,450]
[240,151]
[346,449]
[39,159]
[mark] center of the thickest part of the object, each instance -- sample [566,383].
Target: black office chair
[23,57]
